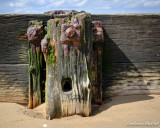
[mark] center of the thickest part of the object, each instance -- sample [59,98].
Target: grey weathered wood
[13,50]
[14,57]
[68,65]
[132,55]
[14,83]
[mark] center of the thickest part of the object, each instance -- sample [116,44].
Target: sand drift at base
[117,112]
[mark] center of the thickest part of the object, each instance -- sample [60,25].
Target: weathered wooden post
[98,39]
[35,34]
[72,49]
[68,84]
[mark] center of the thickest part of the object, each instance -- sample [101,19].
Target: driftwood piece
[68,84]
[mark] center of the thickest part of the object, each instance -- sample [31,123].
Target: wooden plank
[131,52]
[13,50]
[119,71]
[130,86]
[14,83]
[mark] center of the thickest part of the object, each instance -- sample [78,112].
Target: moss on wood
[36,22]
[35,71]
[51,58]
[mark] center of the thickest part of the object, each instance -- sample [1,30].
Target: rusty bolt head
[70,32]
[98,31]
[97,23]
[44,45]
[35,33]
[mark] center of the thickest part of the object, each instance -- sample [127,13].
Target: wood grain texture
[14,57]
[13,50]
[68,86]
[131,56]
[14,83]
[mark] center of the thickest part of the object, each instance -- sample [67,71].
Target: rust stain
[98,101]
[34,99]
[30,104]
[95,90]
[23,37]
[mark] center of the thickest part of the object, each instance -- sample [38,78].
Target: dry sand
[116,112]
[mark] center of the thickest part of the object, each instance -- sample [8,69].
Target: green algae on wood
[35,67]
[51,58]
[67,83]
[73,65]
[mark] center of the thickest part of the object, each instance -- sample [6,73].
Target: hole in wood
[66,84]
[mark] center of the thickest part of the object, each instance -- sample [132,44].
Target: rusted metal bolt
[98,34]
[70,32]
[44,47]
[35,33]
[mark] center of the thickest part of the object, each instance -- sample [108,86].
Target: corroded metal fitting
[98,31]
[70,32]
[35,34]
[44,47]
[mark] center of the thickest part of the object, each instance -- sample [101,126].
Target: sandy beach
[139,111]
